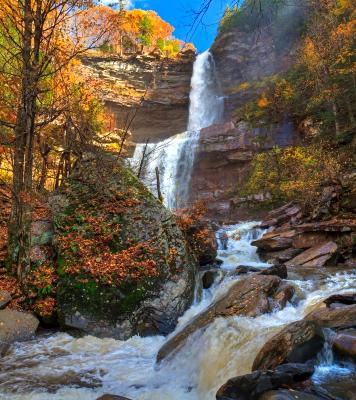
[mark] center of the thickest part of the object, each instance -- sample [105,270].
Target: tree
[39,39]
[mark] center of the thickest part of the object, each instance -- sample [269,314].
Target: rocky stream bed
[244,321]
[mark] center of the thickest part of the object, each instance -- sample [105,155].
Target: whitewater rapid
[61,367]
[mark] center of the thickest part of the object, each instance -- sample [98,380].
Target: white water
[174,157]
[41,369]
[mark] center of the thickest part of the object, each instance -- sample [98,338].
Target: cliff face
[244,61]
[164,86]
[245,58]
[223,161]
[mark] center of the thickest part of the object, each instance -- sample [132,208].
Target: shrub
[292,173]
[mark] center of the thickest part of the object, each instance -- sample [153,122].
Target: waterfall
[174,157]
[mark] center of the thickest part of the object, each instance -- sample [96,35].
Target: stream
[58,366]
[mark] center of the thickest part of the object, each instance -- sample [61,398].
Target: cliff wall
[154,91]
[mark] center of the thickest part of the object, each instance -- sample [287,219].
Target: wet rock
[334,318]
[345,344]
[251,296]
[252,386]
[245,269]
[317,256]
[281,256]
[276,240]
[339,300]
[285,394]
[338,387]
[112,397]
[278,270]
[297,342]
[5,298]
[16,326]
[208,278]
[283,295]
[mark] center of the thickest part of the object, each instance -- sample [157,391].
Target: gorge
[208,251]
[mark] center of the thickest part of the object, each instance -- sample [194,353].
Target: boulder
[276,240]
[127,268]
[245,269]
[251,296]
[202,237]
[297,342]
[285,394]
[16,326]
[339,300]
[5,298]
[317,256]
[208,278]
[344,343]
[334,318]
[284,294]
[278,270]
[280,256]
[252,386]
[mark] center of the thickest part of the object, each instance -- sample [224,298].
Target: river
[58,366]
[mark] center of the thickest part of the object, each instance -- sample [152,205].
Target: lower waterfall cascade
[59,366]
[174,157]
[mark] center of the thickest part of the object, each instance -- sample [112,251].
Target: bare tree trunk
[142,162]
[44,153]
[20,220]
[158,183]
[336,118]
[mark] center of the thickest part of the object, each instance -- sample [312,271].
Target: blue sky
[179,14]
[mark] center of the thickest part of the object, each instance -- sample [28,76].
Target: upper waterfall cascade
[174,157]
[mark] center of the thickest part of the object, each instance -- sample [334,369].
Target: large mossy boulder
[124,267]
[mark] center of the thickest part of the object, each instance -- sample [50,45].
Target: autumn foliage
[129,30]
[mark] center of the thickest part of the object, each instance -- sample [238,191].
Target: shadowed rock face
[252,386]
[297,342]
[123,82]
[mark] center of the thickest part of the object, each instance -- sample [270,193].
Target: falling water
[174,157]
[62,367]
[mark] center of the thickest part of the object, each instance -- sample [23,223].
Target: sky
[179,13]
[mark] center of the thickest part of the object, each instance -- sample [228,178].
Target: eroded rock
[297,342]
[334,318]
[317,256]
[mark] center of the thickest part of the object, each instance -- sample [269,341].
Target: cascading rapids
[174,157]
[62,367]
